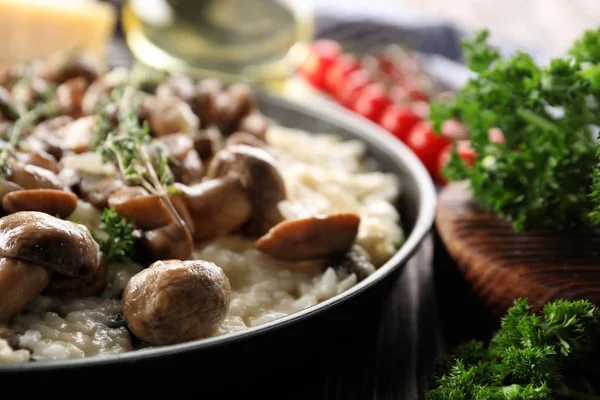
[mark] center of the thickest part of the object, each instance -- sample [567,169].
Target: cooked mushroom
[79,286]
[245,138]
[77,136]
[50,201]
[204,145]
[173,241]
[20,282]
[355,261]
[38,238]
[179,86]
[172,115]
[176,301]
[310,238]
[177,145]
[59,69]
[255,124]
[217,206]
[204,103]
[96,189]
[69,96]
[232,106]
[33,177]
[40,158]
[102,87]
[146,211]
[259,177]
[44,137]
[7,187]
[189,170]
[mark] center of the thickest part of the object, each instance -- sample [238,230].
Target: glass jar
[258,41]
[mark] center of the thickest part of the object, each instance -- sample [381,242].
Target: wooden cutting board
[502,265]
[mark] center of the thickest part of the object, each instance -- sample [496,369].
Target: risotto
[260,221]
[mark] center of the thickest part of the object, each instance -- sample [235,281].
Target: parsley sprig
[526,357]
[117,239]
[541,176]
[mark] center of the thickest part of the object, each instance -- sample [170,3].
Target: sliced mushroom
[80,286]
[310,238]
[61,246]
[176,301]
[355,261]
[189,170]
[69,96]
[173,241]
[33,177]
[40,158]
[217,206]
[77,136]
[50,201]
[44,137]
[96,189]
[7,187]
[20,282]
[146,211]
[204,103]
[255,124]
[260,178]
[172,115]
[245,138]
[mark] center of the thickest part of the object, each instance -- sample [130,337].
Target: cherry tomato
[399,120]
[495,135]
[389,68]
[372,101]
[454,129]
[426,144]
[465,152]
[413,89]
[321,57]
[421,108]
[353,87]
[400,95]
[339,71]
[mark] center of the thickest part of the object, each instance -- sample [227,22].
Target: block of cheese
[38,28]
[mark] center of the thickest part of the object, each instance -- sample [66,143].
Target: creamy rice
[322,173]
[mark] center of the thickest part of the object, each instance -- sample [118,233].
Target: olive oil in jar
[259,41]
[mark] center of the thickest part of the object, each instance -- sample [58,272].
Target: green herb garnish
[541,176]
[526,357]
[118,240]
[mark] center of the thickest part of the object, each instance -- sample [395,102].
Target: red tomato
[413,89]
[322,55]
[454,129]
[426,144]
[353,87]
[389,68]
[399,120]
[495,135]
[400,95]
[421,108]
[339,71]
[372,101]
[465,151]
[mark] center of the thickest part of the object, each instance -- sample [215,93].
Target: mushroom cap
[311,238]
[32,177]
[176,301]
[260,178]
[39,238]
[172,241]
[79,286]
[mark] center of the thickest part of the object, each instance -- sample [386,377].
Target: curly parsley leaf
[541,176]
[526,357]
[117,243]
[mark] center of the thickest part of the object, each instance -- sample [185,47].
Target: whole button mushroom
[176,301]
[311,238]
[173,241]
[41,239]
[259,177]
[79,286]
[204,103]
